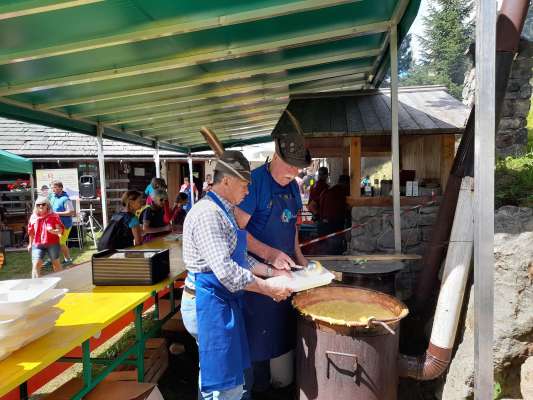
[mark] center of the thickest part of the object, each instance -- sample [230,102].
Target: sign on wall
[68,176]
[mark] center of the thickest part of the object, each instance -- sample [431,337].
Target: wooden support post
[157,161]
[191,181]
[447,153]
[395,139]
[101,169]
[355,167]
[485,129]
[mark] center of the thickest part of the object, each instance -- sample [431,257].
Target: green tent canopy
[12,164]
[153,72]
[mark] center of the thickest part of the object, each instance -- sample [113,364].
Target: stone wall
[513,316]
[511,138]
[377,236]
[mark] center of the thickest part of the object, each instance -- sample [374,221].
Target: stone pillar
[511,138]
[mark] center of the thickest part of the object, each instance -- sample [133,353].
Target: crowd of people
[240,232]
[141,218]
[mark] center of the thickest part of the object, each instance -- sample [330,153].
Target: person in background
[152,217]
[157,183]
[45,191]
[62,206]
[124,229]
[333,213]
[44,230]
[269,215]
[187,188]
[150,187]
[300,181]
[178,212]
[219,272]
[208,181]
[316,190]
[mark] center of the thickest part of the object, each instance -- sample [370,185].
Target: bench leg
[140,338]
[87,364]
[23,390]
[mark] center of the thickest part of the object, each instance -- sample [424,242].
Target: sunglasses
[42,205]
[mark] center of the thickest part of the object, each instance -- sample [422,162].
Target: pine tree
[405,55]
[448,31]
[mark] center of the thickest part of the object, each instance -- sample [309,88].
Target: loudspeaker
[87,186]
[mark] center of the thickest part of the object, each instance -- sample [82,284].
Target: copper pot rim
[304,298]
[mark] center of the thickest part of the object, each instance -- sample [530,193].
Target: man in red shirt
[316,191]
[332,215]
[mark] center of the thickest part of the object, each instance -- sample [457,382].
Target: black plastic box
[130,267]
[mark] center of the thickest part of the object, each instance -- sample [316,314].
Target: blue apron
[271,326]
[222,341]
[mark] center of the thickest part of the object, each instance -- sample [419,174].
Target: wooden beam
[226,91]
[182,60]
[270,106]
[446,158]
[355,167]
[148,131]
[154,30]
[24,8]
[224,76]
[386,201]
[370,257]
[194,129]
[395,138]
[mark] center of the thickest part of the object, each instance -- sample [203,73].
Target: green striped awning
[152,72]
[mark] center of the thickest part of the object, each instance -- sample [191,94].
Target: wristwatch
[269,271]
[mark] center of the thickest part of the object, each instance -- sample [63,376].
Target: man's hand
[276,292]
[29,248]
[280,260]
[281,272]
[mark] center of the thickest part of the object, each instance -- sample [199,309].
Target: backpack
[117,234]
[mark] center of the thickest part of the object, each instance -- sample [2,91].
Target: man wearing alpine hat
[219,271]
[269,214]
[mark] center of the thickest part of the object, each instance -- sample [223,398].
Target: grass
[530,128]
[18,264]
[514,181]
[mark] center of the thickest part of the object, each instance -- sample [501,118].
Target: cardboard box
[108,389]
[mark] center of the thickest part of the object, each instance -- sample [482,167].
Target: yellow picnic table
[87,311]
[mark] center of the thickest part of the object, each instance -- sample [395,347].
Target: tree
[405,55]
[405,60]
[448,31]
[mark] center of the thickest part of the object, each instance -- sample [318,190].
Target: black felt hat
[290,144]
[234,163]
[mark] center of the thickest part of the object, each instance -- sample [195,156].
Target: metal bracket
[336,353]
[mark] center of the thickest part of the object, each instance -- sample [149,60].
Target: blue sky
[417,28]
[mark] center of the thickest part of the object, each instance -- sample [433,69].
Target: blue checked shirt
[208,241]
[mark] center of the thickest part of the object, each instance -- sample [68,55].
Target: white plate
[30,329]
[8,325]
[16,295]
[45,301]
[303,280]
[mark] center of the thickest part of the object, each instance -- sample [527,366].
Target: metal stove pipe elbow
[426,367]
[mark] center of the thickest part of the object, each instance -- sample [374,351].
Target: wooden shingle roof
[36,141]
[422,110]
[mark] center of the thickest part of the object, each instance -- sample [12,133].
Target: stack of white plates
[27,311]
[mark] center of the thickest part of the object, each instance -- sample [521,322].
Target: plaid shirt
[209,238]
